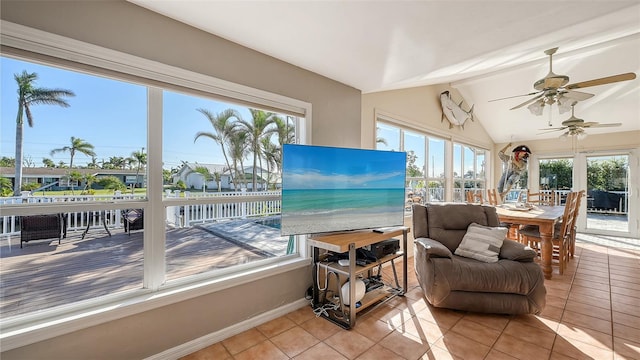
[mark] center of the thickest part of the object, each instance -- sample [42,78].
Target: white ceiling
[485,49]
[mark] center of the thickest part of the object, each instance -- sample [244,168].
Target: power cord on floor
[323,310]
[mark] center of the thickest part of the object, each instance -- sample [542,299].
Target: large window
[145,187]
[426,159]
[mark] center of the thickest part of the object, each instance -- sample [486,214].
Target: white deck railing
[248,204]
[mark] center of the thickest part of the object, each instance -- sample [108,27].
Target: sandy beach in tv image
[327,189]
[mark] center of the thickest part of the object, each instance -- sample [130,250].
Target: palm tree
[140,159]
[117,162]
[77,146]
[94,163]
[48,163]
[259,127]
[238,148]
[272,155]
[28,95]
[223,127]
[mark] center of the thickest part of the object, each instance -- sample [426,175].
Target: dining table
[545,217]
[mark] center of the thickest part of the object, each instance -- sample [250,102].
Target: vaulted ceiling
[484,49]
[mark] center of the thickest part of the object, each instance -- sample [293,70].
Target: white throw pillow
[482,242]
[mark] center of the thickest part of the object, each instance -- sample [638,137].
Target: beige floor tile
[629,300]
[625,308]
[494,321]
[626,349]
[321,351]
[349,343]
[427,331]
[243,341]
[580,320]
[626,332]
[445,318]
[627,319]
[585,335]
[265,350]
[590,300]
[462,346]
[276,326]
[373,328]
[213,352]
[301,315]
[320,328]
[436,353]
[535,335]
[591,292]
[519,348]
[579,350]
[497,355]
[379,352]
[586,309]
[294,341]
[625,284]
[626,291]
[476,331]
[405,345]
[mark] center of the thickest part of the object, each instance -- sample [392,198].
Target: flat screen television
[331,189]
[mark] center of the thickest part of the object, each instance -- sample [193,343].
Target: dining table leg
[546,252]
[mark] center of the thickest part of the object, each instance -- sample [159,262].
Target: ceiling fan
[575,126]
[553,88]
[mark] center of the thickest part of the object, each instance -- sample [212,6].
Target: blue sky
[109,114]
[321,167]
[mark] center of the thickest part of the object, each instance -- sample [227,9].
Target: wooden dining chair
[492,197]
[541,198]
[474,197]
[574,228]
[562,236]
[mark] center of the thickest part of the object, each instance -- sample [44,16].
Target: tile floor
[592,312]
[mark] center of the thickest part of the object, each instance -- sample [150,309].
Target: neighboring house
[194,180]
[57,178]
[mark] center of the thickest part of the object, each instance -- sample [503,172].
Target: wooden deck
[44,274]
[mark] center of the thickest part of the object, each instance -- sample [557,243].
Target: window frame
[449,143]
[37,46]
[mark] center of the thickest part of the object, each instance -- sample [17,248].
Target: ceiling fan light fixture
[536,108]
[564,106]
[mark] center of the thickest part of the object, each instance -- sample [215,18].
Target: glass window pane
[209,149]
[90,152]
[608,193]
[435,172]
[388,137]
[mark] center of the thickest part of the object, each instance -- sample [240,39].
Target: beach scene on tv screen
[327,189]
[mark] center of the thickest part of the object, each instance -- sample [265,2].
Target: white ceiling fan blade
[515,96]
[577,95]
[550,130]
[532,100]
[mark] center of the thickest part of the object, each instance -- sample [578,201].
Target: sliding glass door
[607,193]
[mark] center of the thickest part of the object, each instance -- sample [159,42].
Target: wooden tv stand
[345,315]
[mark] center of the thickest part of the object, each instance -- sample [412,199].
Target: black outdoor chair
[40,227]
[133,219]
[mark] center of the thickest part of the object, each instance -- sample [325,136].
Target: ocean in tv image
[328,189]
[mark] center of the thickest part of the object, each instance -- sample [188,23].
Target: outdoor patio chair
[40,227]
[133,219]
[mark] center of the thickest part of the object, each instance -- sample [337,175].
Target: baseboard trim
[215,337]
